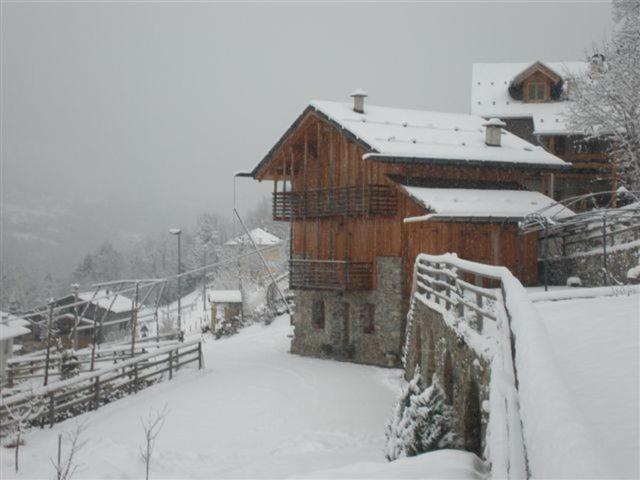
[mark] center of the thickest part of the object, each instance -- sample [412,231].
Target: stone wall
[351,342]
[589,266]
[463,373]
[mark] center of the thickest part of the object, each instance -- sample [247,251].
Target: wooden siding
[319,155]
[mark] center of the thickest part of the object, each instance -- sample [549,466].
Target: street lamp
[178,232]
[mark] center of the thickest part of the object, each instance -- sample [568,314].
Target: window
[367,317]
[537,91]
[317,314]
[560,145]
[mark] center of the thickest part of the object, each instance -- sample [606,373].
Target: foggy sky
[147,110]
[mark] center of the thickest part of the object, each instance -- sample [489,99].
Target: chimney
[493,132]
[358,96]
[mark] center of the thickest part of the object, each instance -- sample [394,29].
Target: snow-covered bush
[574,282]
[69,364]
[422,421]
[263,314]
[228,327]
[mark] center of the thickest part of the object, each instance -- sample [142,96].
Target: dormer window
[537,83]
[537,92]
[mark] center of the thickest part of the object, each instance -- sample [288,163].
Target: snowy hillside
[254,411]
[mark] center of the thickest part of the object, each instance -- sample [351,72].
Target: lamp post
[178,232]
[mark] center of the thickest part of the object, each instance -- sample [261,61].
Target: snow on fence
[34,365]
[88,391]
[535,428]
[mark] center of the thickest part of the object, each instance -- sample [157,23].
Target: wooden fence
[455,287]
[89,391]
[34,365]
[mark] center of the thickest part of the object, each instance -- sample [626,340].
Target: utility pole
[75,287]
[47,358]
[204,283]
[134,323]
[178,232]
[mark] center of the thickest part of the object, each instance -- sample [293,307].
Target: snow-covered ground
[596,344]
[254,411]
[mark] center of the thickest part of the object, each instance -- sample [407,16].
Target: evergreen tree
[422,421]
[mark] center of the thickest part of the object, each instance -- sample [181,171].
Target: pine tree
[432,421]
[422,421]
[397,425]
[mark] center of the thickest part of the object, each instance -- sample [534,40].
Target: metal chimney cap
[358,92]
[494,122]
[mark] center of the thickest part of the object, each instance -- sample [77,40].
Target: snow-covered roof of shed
[225,296]
[480,203]
[424,135]
[103,299]
[12,330]
[490,95]
[260,237]
[11,319]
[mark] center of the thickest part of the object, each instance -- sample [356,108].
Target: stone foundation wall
[462,372]
[590,267]
[380,347]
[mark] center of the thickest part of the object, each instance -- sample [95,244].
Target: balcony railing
[330,275]
[330,202]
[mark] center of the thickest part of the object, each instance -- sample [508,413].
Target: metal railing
[329,202]
[330,275]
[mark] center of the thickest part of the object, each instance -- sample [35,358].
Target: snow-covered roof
[480,203]
[419,135]
[490,95]
[260,237]
[10,319]
[103,299]
[8,331]
[225,296]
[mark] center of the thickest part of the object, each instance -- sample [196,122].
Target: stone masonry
[463,373]
[589,266]
[351,342]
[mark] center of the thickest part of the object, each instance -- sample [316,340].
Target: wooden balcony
[330,275]
[331,202]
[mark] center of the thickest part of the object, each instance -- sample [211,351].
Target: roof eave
[309,109]
[469,163]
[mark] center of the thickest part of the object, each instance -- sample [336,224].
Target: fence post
[96,393]
[135,377]
[604,249]
[52,410]
[170,364]
[199,355]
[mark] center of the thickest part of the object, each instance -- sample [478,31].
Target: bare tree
[22,416]
[152,426]
[67,466]
[605,101]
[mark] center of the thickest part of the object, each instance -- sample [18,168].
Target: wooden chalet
[367,188]
[530,98]
[104,314]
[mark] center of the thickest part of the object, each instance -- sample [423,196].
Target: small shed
[226,305]
[10,328]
